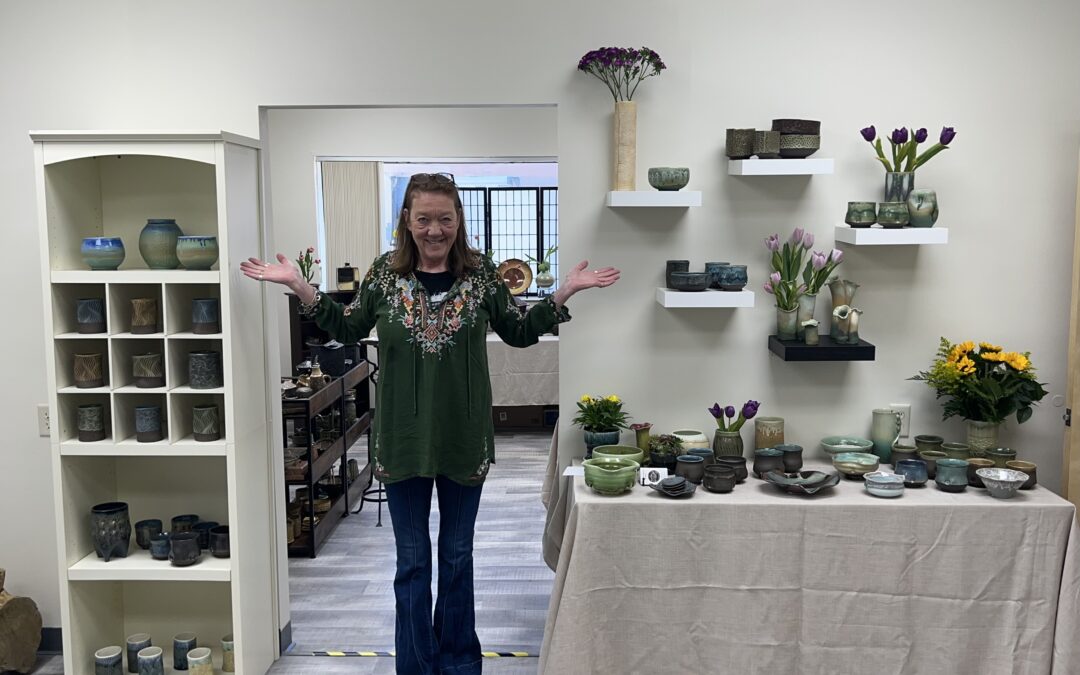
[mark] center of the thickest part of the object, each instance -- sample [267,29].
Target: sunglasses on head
[441,178]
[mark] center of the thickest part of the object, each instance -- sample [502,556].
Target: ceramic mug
[860,214]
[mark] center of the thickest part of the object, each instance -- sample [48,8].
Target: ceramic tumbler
[183,523]
[182,644]
[219,541]
[675,266]
[109,661]
[1024,467]
[792,457]
[203,530]
[893,214]
[766,460]
[974,464]
[740,143]
[91,422]
[713,268]
[159,546]
[145,530]
[952,474]
[135,644]
[90,315]
[184,549]
[197,252]
[861,214]
[199,662]
[705,454]
[767,144]
[151,661]
[102,253]
[144,315]
[902,451]
[1001,456]
[768,432]
[690,467]
[931,457]
[884,431]
[148,370]
[148,423]
[204,369]
[205,422]
[88,370]
[928,442]
[228,655]
[205,316]
[914,472]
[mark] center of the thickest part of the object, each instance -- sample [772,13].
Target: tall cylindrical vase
[807,305]
[982,436]
[898,185]
[786,322]
[625,145]
[727,443]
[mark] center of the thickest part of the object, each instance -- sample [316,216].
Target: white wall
[1004,73]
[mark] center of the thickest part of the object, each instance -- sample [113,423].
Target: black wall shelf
[796,350]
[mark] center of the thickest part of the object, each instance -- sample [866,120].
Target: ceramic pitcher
[884,431]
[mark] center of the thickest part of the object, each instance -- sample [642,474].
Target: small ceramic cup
[1001,456]
[135,644]
[914,472]
[931,457]
[90,315]
[690,467]
[740,143]
[974,464]
[90,421]
[951,474]
[151,661]
[88,370]
[893,214]
[902,451]
[182,644]
[766,460]
[860,214]
[183,523]
[203,530]
[219,541]
[109,661]
[767,144]
[731,277]
[713,268]
[705,454]
[159,546]
[1025,467]
[148,424]
[956,450]
[792,457]
[228,655]
[205,316]
[184,549]
[928,442]
[199,661]
[738,464]
[719,478]
[144,315]
[145,531]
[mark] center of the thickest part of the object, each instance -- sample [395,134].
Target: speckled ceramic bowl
[855,464]
[630,452]
[835,445]
[884,484]
[798,146]
[669,178]
[1002,483]
[610,475]
[690,281]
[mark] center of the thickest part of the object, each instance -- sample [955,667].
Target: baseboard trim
[285,639]
[52,641]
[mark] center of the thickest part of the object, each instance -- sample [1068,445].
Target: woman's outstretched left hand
[580,278]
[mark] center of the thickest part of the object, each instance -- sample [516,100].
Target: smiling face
[433,223]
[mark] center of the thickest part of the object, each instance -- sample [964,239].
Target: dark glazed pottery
[974,464]
[148,370]
[205,423]
[861,214]
[792,457]
[740,143]
[184,549]
[182,644]
[675,266]
[731,277]
[203,530]
[705,454]
[135,644]
[148,423]
[690,281]
[767,144]
[145,530]
[110,529]
[144,316]
[799,146]
[736,463]
[159,546]
[90,315]
[713,268]
[204,369]
[184,523]
[205,316]
[719,478]
[219,541]
[88,371]
[797,126]
[690,467]
[914,471]
[766,460]
[662,461]
[90,421]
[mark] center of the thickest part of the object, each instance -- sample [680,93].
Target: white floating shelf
[136,336]
[779,167]
[194,336]
[185,389]
[707,298]
[80,336]
[135,276]
[190,446]
[132,448]
[877,236]
[669,198]
[72,389]
[140,566]
[132,389]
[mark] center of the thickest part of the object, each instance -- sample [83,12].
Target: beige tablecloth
[528,376]
[761,582]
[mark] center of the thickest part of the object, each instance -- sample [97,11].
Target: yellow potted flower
[983,384]
[601,418]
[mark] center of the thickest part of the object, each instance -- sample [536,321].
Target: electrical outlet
[905,420]
[43,421]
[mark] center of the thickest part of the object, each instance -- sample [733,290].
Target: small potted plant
[601,419]
[727,440]
[544,277]
[663,449]
[307,261]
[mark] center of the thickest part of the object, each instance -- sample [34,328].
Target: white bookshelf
[654,198]
[709,298]
[780,167]
[109,184]
[902,236]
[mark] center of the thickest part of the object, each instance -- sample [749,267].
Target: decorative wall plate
[517,275]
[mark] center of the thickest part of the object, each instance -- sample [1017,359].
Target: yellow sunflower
[987,347]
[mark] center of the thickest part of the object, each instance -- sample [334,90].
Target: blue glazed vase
[197,252]
[157,243]
[102,253]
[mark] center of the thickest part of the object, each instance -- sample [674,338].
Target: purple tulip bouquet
[622,69]
[725,417]
[905,147]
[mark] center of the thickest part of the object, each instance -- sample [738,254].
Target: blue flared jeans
[445,644]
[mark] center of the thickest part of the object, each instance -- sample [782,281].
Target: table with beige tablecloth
[759,581]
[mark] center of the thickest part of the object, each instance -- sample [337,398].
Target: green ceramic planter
[620,451]
[610,475]
[957,451]
[1001,456]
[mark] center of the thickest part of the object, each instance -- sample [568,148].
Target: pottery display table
[759,581]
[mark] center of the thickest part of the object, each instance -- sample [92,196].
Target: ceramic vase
[148,423]
[884,431]
[145,530]
[91,422]
[842,292]
[893,215]
[205,423]
[544,279]
[148,370]
[641,437]
[204,369]
[923,208]
[807,305]
[228,654]
[768,432]
[135,644]
[205,316]
[737,464]
[625,145]
[151,661]
[787,321]
[144,315]
[197,252]
[981,436]
[199,662]
[182,644]
[727,443]
[898,185]
[90,315]
[88,371]
[597,438]
[956,450]
[861,214]
[157,243]
[109,661]
[102,253]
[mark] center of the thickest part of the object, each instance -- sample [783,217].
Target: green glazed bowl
[610,475]
[834,445]
[631,452]
[669,178]
[855,464]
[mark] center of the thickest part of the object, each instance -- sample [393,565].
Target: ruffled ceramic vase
[982,436]
[807,305]
[787,321]
[843,294]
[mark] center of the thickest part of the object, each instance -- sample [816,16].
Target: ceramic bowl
[893,214]
[197,252]
[690,281]
[610,475]
[736,463]
[798,146]
[1026,467]
[669,178]
[690,467]
[630,452]
[1002,483]
[1000,456]
[102,253]
[914,472]
[951,474]
[793,460]
[834,445]
[861,214]
[884,484]
[713,268]
[902,451]
[731,277]
[956,450]
[931,457]
[706,455]
[797,126]
[802,482]
[719,479]
[691,438]
[855,464]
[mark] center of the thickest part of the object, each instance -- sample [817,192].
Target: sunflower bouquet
[985,384]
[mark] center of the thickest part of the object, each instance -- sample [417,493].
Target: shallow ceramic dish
[516,274]
[669,178]
[691,281]
[802,482]
[798,146]
[610,475]
[631,452]
[884,484]
[855,464]
[676,494]
[1002,483]
[834,445]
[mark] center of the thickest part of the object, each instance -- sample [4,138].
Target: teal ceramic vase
[157,243]
[898,185]
[923,208]
[197,252]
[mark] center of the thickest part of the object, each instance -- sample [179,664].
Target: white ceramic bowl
[884,484]
[1002,483]
[691,438]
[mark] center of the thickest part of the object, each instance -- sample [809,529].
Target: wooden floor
[343,600]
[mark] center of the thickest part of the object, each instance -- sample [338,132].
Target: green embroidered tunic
[433,397]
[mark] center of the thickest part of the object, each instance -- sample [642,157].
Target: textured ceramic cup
[151,661]
[713,268]
[956,450]
[228,655]
[737,464]
[148,427]
[914,472]
[202,529]
[205,422]
[766,460]
[204,369]
[951,474]
[1001,456]
[199,661]
[861,214]
[90,421]
[690,467]
[767,144]
[184,549]
[144,315]
[669,178]
[674,266]
[102,253]
[974,464]
[205,316]
[893,214]
[793,460]
[145,531]
[148,370]
[931,457]
[740,143]
[1026,467]
[159,546]
[799,146]
[197,252]
[182,644]
[135,644]
[731,277]
[88,370]
[89,315]
[183,523]
[109,661]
